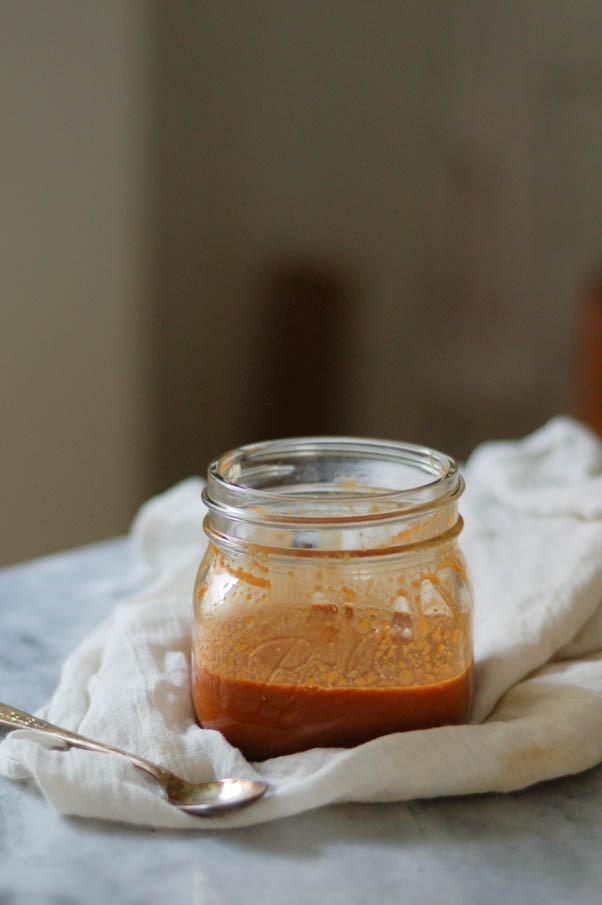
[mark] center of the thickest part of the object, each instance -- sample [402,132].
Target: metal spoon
[198,798]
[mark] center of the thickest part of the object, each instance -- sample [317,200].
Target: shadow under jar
[332,605]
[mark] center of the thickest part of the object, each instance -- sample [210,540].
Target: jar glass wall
[333,604]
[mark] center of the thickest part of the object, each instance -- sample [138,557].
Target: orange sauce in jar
[285,679]
[266,720]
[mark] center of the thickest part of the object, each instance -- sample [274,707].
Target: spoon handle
[18,719]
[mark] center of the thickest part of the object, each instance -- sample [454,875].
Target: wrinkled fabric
[533,540]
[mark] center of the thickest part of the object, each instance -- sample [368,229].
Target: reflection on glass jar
[333,604]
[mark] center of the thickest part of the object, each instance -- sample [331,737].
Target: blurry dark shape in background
[588,354]
[304,319]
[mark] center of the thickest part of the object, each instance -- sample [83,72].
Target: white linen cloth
[533,539]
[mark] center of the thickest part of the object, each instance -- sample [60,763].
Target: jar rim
[249,481]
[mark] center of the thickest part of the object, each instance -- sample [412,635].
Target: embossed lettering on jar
[333,604]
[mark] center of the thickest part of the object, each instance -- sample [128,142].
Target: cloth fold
[533,540]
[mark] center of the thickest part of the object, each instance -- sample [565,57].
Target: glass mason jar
[332,605]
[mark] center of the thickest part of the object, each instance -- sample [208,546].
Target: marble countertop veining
[538,846]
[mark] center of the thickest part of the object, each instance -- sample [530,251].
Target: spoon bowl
[201,799]
[214,797]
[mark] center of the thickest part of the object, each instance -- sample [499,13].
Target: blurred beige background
[223,221]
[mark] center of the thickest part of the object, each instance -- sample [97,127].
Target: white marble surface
[542,845]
